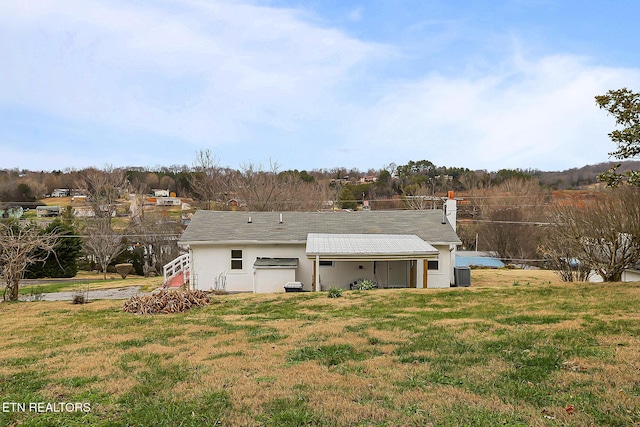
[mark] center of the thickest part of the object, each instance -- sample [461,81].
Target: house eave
[372,257]
[240,242]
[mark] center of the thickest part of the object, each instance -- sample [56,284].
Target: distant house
[168,201]
[83,212]
[262,251]
[79,198]
[368,178]
[14,212]
[161,193]
[60,192]
[48,211]
[236,203]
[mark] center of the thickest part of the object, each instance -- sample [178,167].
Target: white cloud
[532,113]
[255,83]
[201,71]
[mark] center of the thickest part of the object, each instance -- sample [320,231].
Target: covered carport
[369,256]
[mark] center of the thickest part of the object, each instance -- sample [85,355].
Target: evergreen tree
[346,199]
[63,261]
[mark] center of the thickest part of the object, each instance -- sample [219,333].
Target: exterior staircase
[177,272]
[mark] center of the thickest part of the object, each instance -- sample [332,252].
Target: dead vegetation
[166,301]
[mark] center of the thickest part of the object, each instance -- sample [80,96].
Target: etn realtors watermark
[46,407]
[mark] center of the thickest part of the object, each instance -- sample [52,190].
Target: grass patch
[225,354]
[491,354]
[532,319]
[262,334]
[208,409]
[328,355]
[290,412]
[90,283]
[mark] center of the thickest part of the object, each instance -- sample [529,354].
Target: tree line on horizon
[28,186]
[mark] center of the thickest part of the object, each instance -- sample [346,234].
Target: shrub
[220,284]
[365,285]
[124,269]
[79,298]
[334,292]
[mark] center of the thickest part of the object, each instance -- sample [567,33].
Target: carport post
[420,273]
[317,271]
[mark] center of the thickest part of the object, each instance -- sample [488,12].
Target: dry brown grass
[420,357]
[505,277]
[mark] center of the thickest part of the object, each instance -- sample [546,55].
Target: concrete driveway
[117,293]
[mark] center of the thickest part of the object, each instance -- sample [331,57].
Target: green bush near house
[334,292]
[365,285]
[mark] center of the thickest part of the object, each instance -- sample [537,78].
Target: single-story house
[168,201]
[60,192]
[264,251]
[48,211]
[83,212]
[160,192]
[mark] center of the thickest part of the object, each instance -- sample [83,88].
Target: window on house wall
[236,259]
[433,265]
[326,263]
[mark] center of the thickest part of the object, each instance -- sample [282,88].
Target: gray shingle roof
[229,226]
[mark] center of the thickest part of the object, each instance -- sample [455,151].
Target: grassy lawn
[517,348]
[92,282]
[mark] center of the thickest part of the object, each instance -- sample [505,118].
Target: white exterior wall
[209,261]
[442,278]
[273,279]
[342,273]
[631,276]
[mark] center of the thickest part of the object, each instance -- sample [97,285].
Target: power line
[505,222]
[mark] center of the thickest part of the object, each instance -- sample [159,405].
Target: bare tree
[102,242]
[603,235]
[419,196]
[104,188]
[560,258]
[21,245]
[159,238]
[508,213]
[208,180]
[271,190]
[475,180]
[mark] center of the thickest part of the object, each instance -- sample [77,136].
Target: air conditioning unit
[462,276]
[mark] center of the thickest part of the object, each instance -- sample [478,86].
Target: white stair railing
[177,266]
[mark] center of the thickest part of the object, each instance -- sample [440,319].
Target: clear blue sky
[312,84]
